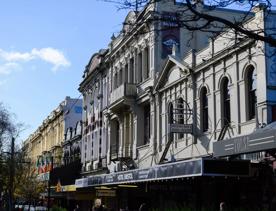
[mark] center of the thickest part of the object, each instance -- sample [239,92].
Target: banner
[170,33]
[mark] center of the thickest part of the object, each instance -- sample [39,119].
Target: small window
[204,109]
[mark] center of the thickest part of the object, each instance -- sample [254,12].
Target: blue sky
[44,47]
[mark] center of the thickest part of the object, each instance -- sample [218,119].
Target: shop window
[251,82]
[204,109]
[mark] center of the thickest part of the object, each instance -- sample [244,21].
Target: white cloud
[15,56]
[53,56]
[49,55]
[9,67]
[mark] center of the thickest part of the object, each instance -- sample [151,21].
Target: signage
[79,183]
[69,188]
[171,170]
[191,168]
[108,193]
[170,33]
[255,142]
[180,128]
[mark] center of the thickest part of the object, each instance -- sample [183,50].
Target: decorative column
[111,78]
[134,144]
[130,134]
[121,137]
[158,126]
[108,141]
[126,136]
[152,122]
[118,77]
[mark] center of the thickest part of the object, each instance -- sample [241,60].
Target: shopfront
[198,184]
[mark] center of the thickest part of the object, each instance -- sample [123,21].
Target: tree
[10,156]
[28,187]
[197,15]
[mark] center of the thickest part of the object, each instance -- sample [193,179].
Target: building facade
[46,142]
[155,105]
[120,88]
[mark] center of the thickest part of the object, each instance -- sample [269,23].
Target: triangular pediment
[172,71]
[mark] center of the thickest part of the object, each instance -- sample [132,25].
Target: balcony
[123,94]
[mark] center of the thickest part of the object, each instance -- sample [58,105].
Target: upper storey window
[170,113]
[225,99]
[204,109]
[251,86]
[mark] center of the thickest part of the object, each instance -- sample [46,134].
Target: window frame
[251,93]
[225,102]
[204,109]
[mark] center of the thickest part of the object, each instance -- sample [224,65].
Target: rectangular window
[131,72]
[139,72]
[151,58]
[125,80]
[147,124]
[146,61]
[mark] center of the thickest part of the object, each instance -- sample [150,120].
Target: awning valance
[260,140]
[189,168]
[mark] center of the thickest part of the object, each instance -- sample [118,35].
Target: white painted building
[130,89]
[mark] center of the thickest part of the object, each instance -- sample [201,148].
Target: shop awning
[189,168]
[260,140]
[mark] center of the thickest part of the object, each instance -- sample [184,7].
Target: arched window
[180,114]
[170,113]
[204,109]
[225,99]
[251,85]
